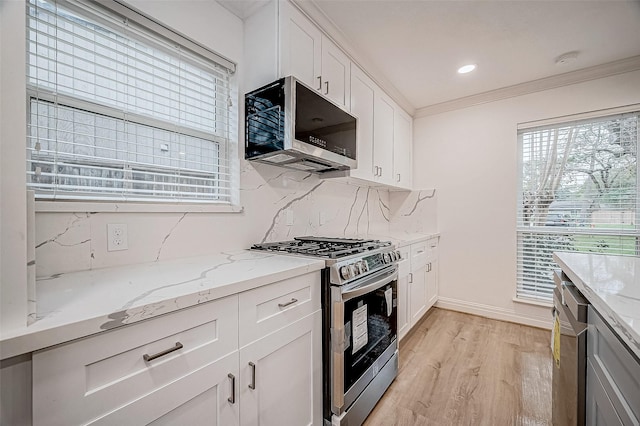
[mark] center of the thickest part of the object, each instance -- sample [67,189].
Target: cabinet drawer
[617,368]
[77,382]
[271,307]
[432,247]
[419,255]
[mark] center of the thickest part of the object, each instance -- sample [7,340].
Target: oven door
[365,331]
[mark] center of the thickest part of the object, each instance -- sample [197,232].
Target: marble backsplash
[278,204]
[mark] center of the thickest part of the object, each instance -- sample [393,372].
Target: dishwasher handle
[575,301]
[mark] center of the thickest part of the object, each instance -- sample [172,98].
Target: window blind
[117,112]
[578,192]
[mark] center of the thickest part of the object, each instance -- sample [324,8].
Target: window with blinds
[579,192]
[117,112]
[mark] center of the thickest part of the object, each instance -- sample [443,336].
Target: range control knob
[363,266]
[386,258]
[355,269]
[398,255]
[393,256]
[345,272]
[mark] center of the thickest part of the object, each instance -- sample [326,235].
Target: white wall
[470,156]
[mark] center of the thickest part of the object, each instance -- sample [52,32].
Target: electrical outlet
[117,238]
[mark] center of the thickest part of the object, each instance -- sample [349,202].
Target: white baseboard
[502,314]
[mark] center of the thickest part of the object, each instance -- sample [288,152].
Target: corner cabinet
[417,283]
[254,355]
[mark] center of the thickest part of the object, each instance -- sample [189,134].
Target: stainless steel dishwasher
[569,346]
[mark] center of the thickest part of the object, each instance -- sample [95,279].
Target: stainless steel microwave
[292,125]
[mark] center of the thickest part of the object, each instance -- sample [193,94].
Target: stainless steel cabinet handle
[398,177]
[319,82]
[326,86]
[429,267]
[380,171]
[252,385]
[284,305]
[410,277]
[232,398]
[148,357]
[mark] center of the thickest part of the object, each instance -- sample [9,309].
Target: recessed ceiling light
[566,58]
[467,68]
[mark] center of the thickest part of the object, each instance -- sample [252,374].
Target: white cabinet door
[417,294]
[204,398]
[362,103]
[432,283]
[404,269]
[383,138]
[402,149]
[283,383]
[300,46]
[335,73]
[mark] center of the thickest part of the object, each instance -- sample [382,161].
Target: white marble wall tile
[62,243]
[270,197]
[414,211]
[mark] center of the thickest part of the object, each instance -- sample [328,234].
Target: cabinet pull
[381,171]
[232,398]
[252,385]
[410,277]
[319,82]
[398,177]
[429,267]
[326,86]
[148,357]
[284,305]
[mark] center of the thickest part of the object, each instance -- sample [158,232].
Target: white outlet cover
[117,237]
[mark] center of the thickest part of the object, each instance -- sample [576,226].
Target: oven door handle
[368,286]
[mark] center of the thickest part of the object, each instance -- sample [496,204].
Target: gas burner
[331,248]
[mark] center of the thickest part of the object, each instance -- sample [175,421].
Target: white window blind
[579,192]
[117,112]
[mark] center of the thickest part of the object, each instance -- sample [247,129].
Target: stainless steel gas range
[359,303]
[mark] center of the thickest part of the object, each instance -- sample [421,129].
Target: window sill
[533,302]
[111,207]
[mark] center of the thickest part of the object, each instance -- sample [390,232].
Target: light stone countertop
[401,239]
[78,304]
[612,285]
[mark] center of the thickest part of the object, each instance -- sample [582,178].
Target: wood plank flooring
[459,369]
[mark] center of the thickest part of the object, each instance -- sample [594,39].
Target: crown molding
[316,14]
[579,76]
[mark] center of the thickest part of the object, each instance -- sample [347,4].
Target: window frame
[567,120]
[154,29]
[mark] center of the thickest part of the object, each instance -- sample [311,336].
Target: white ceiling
[414,47]
[418,45]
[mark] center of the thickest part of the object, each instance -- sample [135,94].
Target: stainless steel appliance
[569,345]
[359,302]
[292,125]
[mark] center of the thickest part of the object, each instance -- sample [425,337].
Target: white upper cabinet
[362,101]
[280,41]
[300,47]
[402,149]
[384,111]
[335,73]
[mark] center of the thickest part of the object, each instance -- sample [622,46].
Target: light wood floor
[459,369]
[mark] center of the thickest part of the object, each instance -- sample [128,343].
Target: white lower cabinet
[417,283]
[281,376]
[188,367]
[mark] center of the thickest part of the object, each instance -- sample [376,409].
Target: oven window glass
[371,324]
